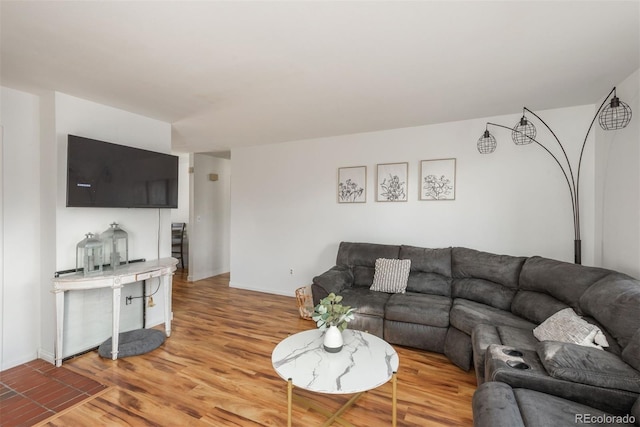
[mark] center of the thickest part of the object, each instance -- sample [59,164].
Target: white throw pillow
[391,275]
[567,326]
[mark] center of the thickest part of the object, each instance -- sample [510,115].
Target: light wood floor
[215,370]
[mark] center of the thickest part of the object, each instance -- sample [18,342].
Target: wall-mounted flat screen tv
[105,175]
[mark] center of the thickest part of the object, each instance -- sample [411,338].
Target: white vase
[333,339]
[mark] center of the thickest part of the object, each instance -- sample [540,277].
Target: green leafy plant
[331,313]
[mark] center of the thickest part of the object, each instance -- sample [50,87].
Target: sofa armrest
[482,336]
[333,280]
[494,405]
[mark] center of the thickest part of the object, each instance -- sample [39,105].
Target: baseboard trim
[18,362]
[266,291]
[47,356]
[206,274]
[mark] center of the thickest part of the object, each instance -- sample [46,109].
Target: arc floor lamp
[613,114]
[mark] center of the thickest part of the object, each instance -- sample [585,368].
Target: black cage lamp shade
[487,143]
[616,115]
[524,132]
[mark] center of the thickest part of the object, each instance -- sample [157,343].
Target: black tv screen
[105,175]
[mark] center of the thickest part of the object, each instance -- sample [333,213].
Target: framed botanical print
[391,182]
[438,179]
[352,184]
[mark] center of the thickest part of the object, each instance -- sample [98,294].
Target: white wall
[2,300]
[20,323]
[618,169]
[79,117]
[39,233]
[182,213]
[48,198]
[210,217]
[87,313]
[515,201]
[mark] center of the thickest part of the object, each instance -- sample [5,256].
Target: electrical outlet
[291,271]
[128,300]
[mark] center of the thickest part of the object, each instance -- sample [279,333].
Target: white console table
[114,279]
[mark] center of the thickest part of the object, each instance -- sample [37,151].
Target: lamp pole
[616,115]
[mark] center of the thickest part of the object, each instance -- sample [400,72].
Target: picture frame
[352,184]
[437,179]
[392,182]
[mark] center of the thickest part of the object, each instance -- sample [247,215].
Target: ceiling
[236,73]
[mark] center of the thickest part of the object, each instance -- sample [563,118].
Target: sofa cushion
[423,309]
[587,365]
[429,283]
[614,301]
[425,337]
[365,301]
[391,275]
[428,260]
[564,281]
[366,323]
[502,269]
[521,339]
[544,410]
[567,326]
[535,306]
[538,307]
[614,347]
[484,291]
[364,254]
[363,276]
[466,314]
[430,270]
[631,353]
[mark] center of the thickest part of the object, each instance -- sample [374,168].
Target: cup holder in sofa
[518,365]
[511,352]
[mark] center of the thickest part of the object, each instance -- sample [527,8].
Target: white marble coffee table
[364,363]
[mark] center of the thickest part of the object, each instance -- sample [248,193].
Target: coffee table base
[336,416]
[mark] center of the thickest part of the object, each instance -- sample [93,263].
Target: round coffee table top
[364,363]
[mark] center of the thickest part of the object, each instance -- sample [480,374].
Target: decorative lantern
[116,245]
[89,255]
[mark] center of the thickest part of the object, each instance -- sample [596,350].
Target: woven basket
[305,302]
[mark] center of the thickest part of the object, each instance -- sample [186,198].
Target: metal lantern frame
[90,252]
[616,115]
[116,245]
[487,143]
[524,132]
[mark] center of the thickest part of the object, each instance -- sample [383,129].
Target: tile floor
[35,391]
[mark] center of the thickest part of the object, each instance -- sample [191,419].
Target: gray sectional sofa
[481,308]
